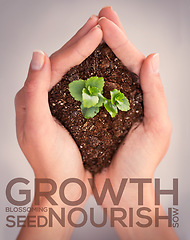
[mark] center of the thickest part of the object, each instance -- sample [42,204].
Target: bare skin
[49,148]
[146,144]
[51,151]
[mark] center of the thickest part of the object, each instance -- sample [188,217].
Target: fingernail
[155,63]
[37,60]
[98,25]
[101,18]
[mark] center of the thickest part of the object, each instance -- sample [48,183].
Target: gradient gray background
[153,26]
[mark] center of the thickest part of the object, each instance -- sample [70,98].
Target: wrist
[59,211]
[137,216]
[69,191]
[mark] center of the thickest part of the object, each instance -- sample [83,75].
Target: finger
[110,14]
[117,40]
[75,54]
[155,103]
[36,89]
[92,22]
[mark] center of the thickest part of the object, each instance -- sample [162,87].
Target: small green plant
[90,93]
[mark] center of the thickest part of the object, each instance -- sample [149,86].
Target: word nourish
[140,216]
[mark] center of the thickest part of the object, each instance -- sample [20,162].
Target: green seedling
[90,93]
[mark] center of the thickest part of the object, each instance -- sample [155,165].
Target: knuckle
[18,97]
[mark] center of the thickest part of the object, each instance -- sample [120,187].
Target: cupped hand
[148,141]
[47,145]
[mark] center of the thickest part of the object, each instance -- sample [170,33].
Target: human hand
[48,147]
[147,142]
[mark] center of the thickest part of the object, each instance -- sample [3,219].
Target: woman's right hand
[48,146]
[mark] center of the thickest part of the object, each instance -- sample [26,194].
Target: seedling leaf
[93,90]
[88,100]
[97,82]
[89,112]
[124,106]
[111,108]
[75,89]
[90,93]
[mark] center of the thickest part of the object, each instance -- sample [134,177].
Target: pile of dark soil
[98,138]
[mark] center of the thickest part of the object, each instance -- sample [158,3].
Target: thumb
[36,88]
[155,103]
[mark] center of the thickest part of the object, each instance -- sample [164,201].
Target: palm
[67,154]
[137,156]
